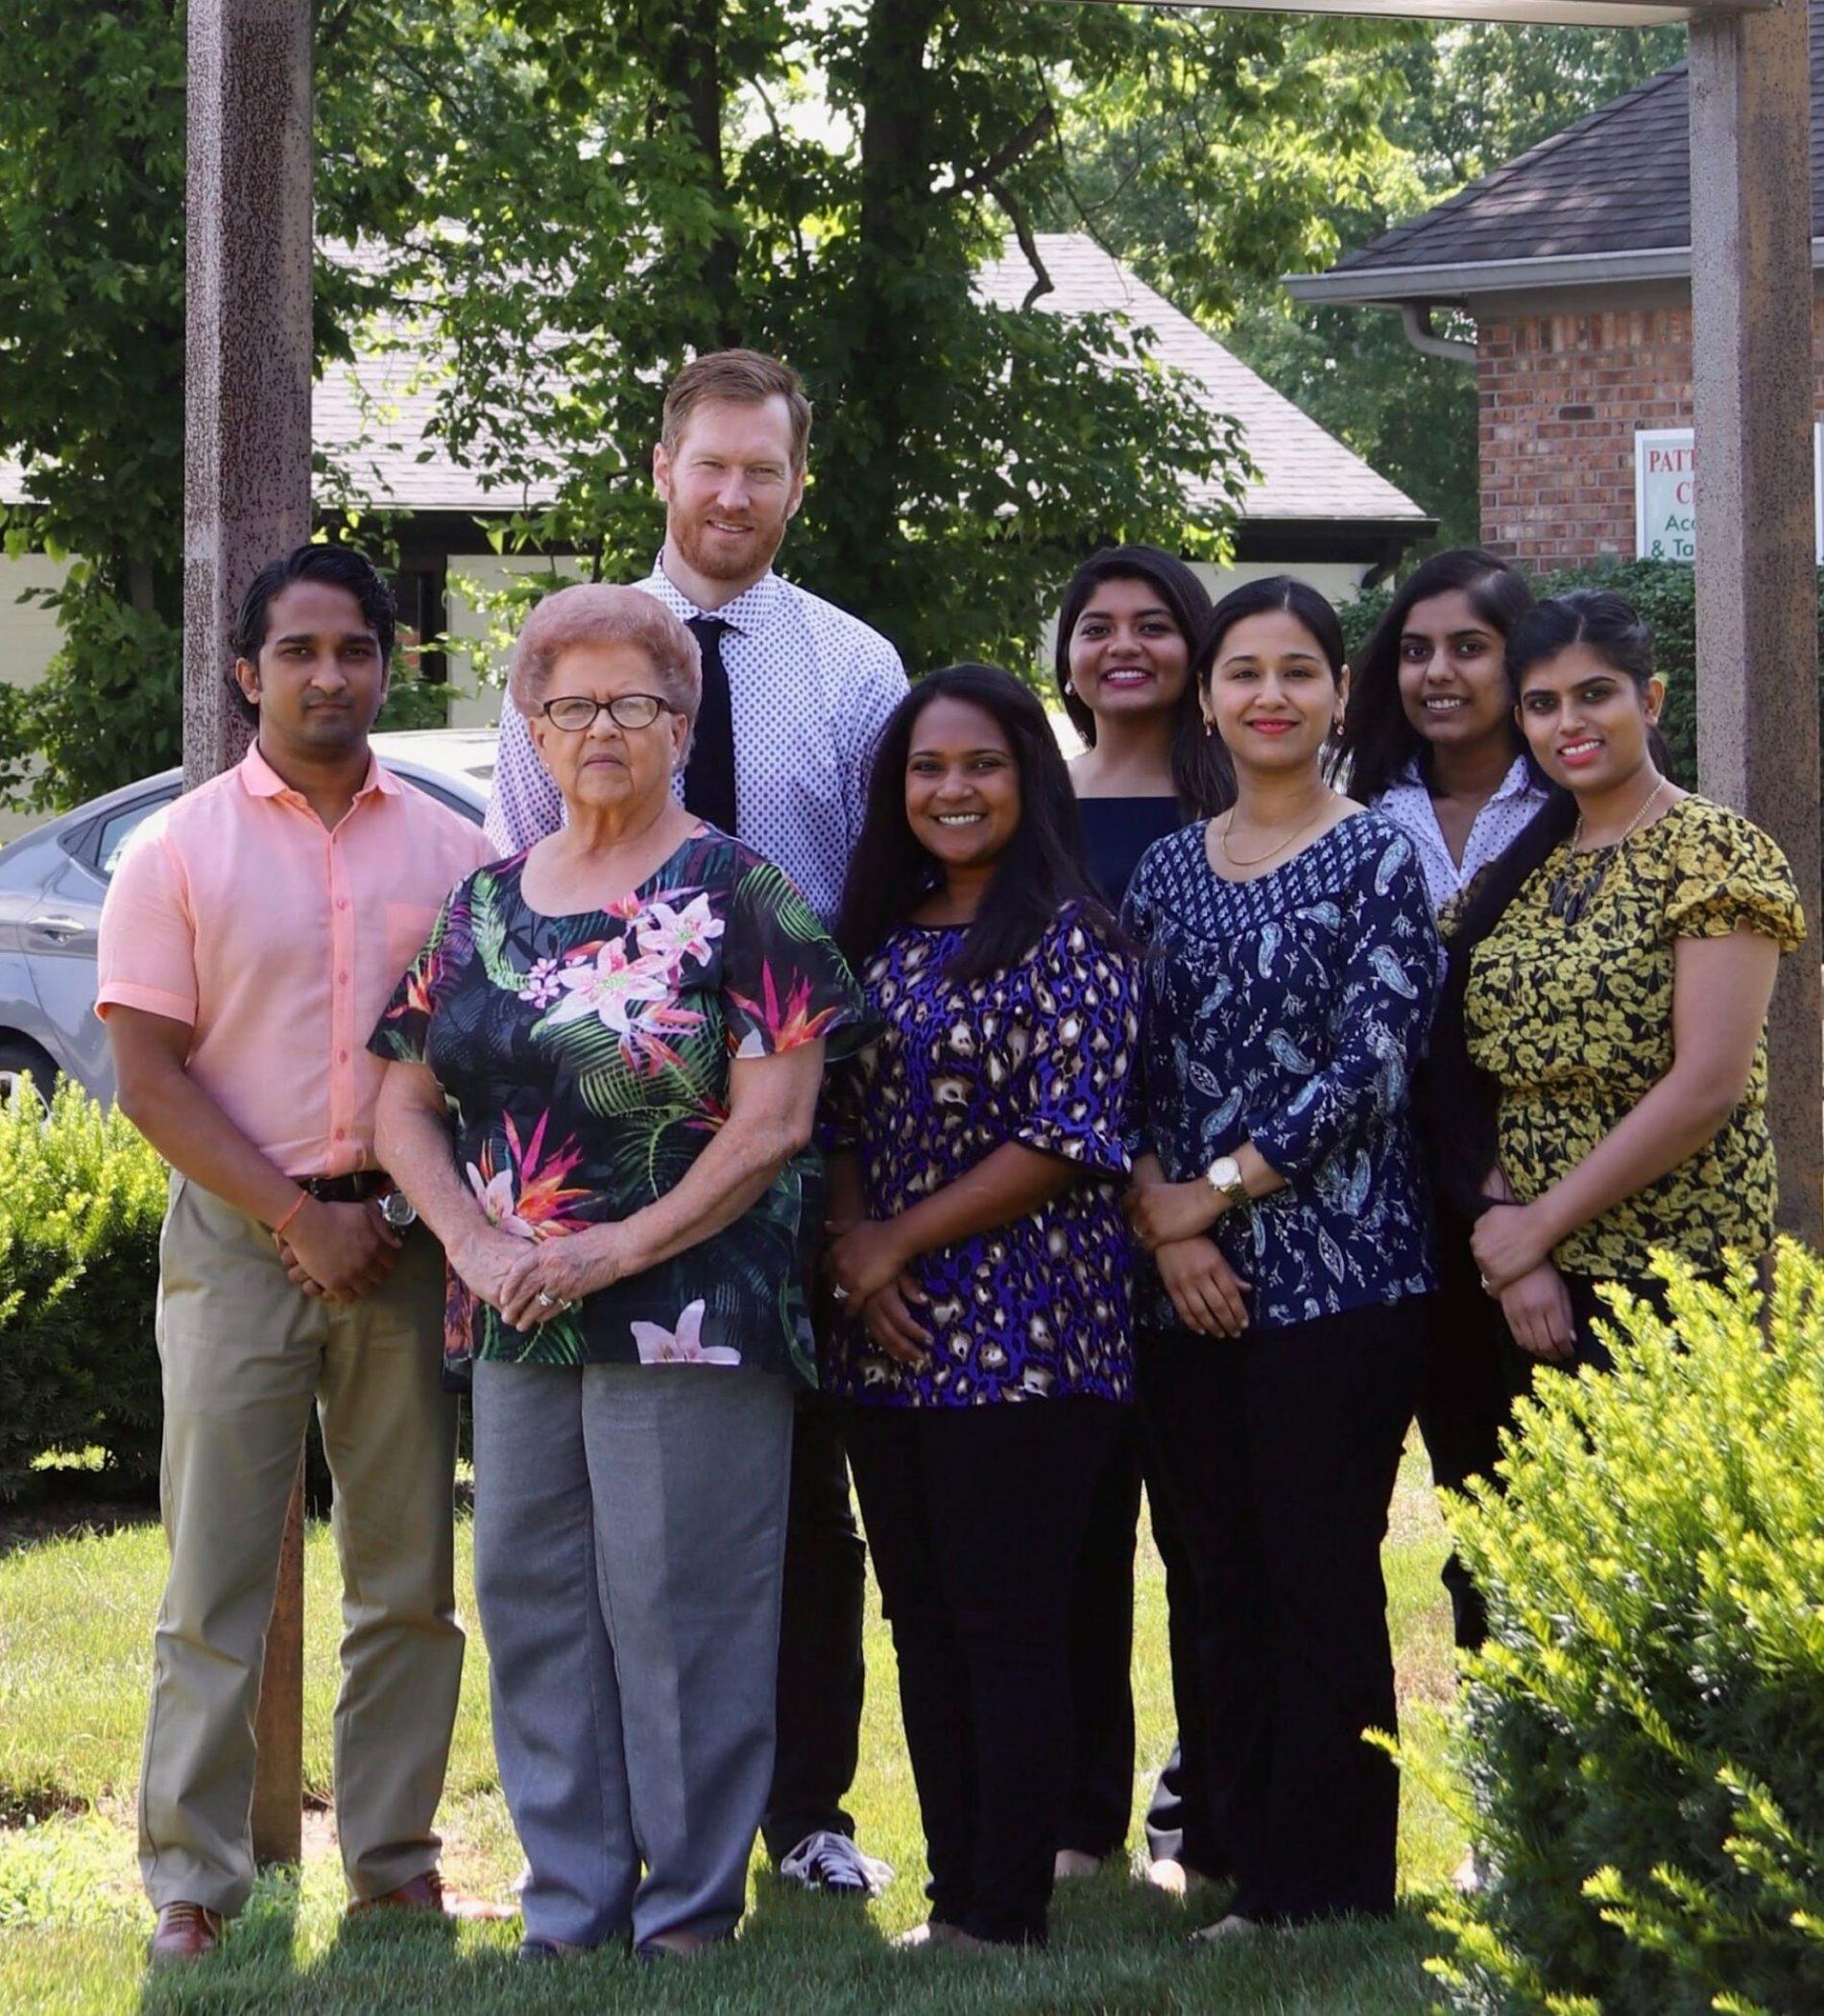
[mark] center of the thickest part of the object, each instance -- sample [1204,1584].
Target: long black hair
[1377,741]
[1200,772]
[1041,871]
[1462,1100]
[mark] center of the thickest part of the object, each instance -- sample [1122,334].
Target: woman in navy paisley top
[1293,966]
[981,1265]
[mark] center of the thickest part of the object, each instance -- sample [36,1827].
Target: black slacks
[821,1674]
[1466,1398]
[1279,1450]
[1099,1802]
[975,1516]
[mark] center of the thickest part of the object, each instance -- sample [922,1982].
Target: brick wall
[1562,398]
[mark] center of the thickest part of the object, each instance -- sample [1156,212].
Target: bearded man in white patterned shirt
[795,694]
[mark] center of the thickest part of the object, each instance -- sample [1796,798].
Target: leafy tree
[91,345]
[965,454]
[1445,105]
[576,194]
[91,353]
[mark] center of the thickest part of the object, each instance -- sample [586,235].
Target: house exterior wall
[1563,396]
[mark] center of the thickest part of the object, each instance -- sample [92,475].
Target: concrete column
[247,351]
[247,499]
[1757,580]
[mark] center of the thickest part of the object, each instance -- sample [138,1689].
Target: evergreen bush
[1643,1732]
[81,1199]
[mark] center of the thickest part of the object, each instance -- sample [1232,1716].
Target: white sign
[1666,494]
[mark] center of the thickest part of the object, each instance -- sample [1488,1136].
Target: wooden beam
[1564,14]
[1757,576]
[247,499]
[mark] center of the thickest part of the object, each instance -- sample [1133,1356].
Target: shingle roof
[1306,473]
[371,418]
[1617,181]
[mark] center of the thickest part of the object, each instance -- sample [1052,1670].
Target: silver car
[53,879]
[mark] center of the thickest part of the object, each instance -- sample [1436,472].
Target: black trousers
[975,1516]
[1279,1449]
[1180,1825]
[1466,1398]
[821,1675]
[1100,1799]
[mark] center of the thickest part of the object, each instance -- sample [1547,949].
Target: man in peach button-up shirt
[250,939]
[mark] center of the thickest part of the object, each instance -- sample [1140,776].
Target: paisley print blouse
[1575,1021]
[1289,1012]
[585,1058]
[1038,1054]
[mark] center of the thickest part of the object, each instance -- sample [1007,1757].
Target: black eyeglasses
[575,712]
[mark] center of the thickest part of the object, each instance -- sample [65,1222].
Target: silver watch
[396,1207]
[1224,1177]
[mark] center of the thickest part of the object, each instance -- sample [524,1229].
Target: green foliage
[1361,125]
[414,702]
[1642,1732]
[81,1199]
[630,184]
[965,454]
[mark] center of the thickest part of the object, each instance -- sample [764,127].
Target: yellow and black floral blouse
[1576,1022]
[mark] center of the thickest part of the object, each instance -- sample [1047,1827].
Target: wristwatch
[396,1207]
[1224,1177]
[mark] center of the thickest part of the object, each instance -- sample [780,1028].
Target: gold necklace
[1568,904]
[1254,861]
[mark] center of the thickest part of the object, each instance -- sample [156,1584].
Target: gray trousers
[245,1355]
[630,1542]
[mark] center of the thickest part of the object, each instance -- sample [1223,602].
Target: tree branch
[1043,282]
[1015,150]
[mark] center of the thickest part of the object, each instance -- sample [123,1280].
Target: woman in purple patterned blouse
[981,1265]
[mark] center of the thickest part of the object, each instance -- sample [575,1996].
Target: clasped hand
[1161,1213]
[869,1269]
[1508,1242]
[338,1251]
[530,1280]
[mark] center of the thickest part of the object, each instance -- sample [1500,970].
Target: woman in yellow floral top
[1614,982]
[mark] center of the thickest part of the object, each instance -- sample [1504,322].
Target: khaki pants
[244,1355]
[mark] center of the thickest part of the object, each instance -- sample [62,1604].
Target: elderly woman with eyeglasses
[604,1065]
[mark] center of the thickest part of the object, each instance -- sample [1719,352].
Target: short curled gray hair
[594,614]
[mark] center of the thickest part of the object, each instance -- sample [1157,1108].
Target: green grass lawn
[75,1617]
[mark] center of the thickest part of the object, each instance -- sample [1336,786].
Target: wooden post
[247,499]
[1757,578]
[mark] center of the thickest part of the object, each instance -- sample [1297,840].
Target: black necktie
[708,784]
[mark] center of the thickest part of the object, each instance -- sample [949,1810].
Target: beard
[718,558]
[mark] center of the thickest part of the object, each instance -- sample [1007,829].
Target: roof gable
[1305,471]
[1617,182]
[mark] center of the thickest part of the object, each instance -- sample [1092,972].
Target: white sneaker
[830,1861]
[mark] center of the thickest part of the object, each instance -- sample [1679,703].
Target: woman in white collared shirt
[1430,740]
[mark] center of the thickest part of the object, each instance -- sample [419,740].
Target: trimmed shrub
[81,1199]
[1643,1734]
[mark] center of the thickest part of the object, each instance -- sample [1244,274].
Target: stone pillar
[1757,580]
[248,348]
[247,499]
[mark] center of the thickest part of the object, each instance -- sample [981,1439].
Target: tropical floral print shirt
[586,1058]
[1290,1012]
[1038,1054]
